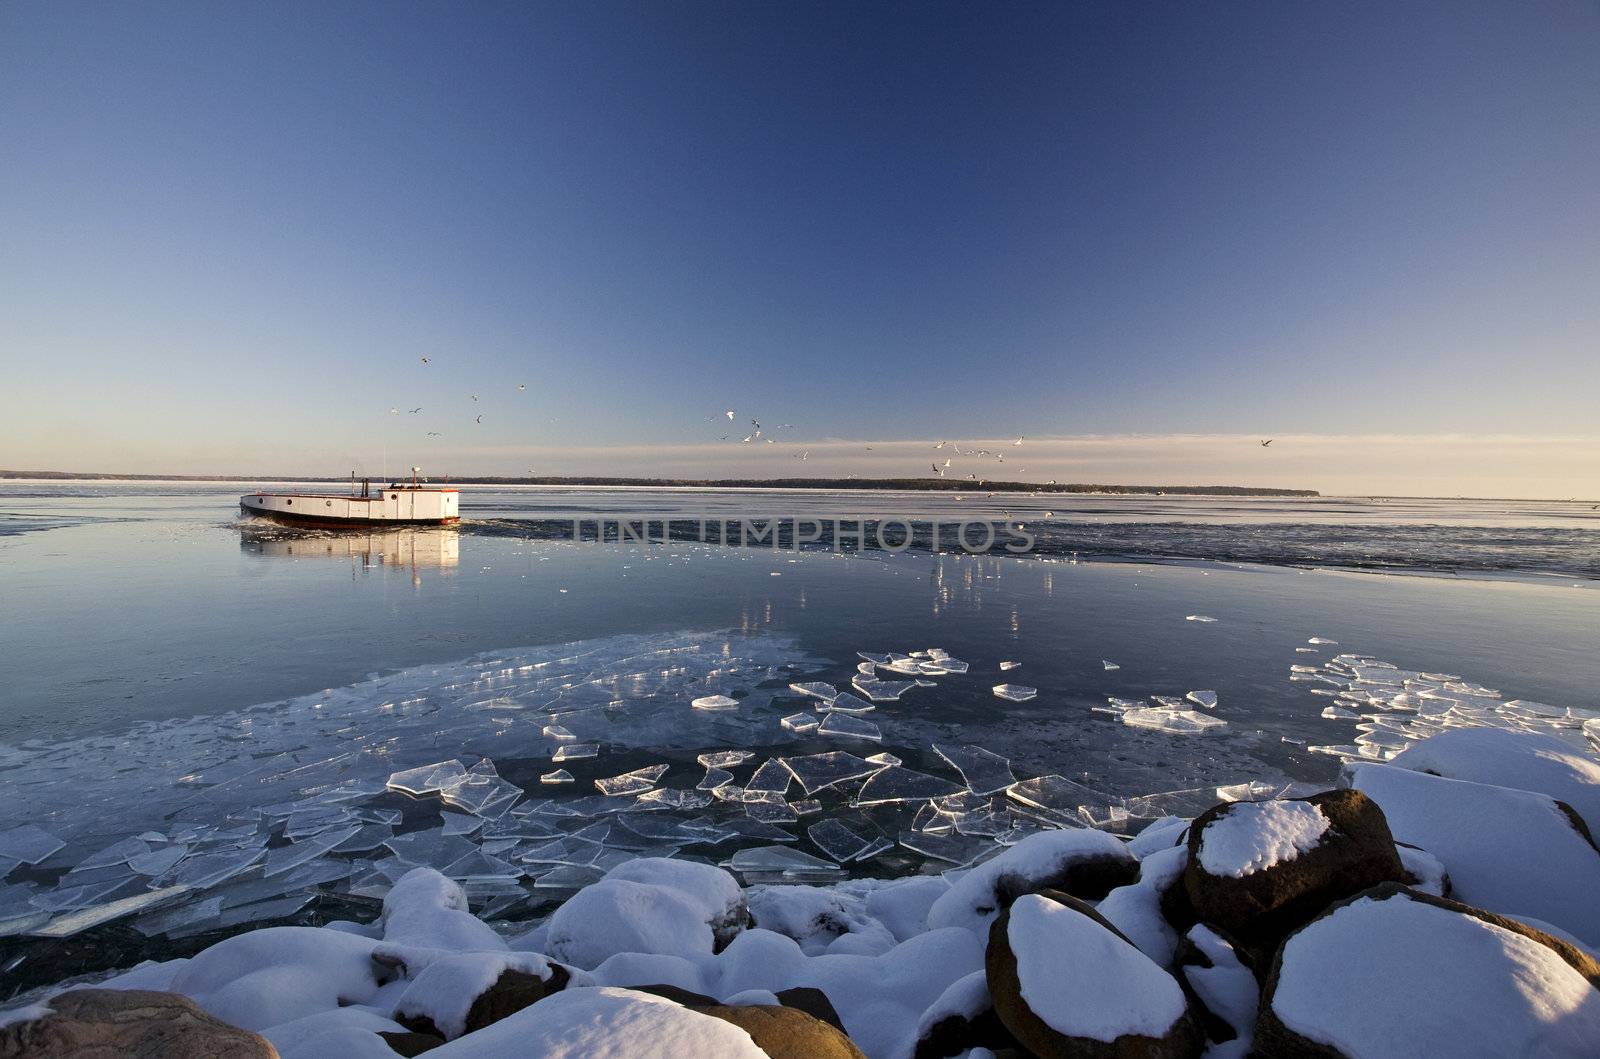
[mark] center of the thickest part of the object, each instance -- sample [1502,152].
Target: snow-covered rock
[1162,834]
[330,1033]
[1424,871]
[1509,851]
[123,1022]
[1065,983]
[717,891]
[427,910]
[1526,761]
[462,992]
[604,1023]
[279,974]
[819,918]
[1226,990]
[1137,909]
[674,908]
[1257,870]
[1392,972]
[1082,862]
[784,1032]
[961,1019]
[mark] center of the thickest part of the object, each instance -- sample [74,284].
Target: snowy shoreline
[1288,925]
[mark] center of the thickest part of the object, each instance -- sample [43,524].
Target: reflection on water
[409,547]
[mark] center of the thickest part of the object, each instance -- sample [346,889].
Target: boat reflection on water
[413,548]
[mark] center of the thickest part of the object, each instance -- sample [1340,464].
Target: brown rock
[511,992]
[409,1044]
[787,1033]
[813,1002]
[128,1024]
[1182,1040]
[1260,909]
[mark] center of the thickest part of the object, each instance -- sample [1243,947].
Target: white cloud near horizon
[1482,465]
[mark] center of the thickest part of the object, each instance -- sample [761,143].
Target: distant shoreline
[908,484]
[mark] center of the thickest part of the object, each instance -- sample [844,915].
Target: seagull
[473,396]
[521,386]
[394,411]
[1019,440]
[434,434]
[729,414]
[478,420]
[414,411]
[724,437]
[424,360]
[1265,443]
[937,471]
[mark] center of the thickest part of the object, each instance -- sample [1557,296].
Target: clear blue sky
[228,232]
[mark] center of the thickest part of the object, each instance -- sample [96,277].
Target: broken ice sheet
[292,856]
[849,726]
[575,751]
[568,877]
[558,776]
[460,823]
[724,759]
[116,853]
[1199,618]
[714,778]
[817,690]
[959,850]
[845,702]
[1109,666]
[186,915]
[635,782]
[882,690]
[715,702]
[1173,722]
[800,723]
[838,841]
[556,731]
[664,798]
[770,809]
[776,859]
[1208,699]
[1006,667]
[983,772]
[1014,692]
[29,844]
[819,771]
[427,779]
[158,861]
[429,848]
[771,776]
[1062,800]
[897,784]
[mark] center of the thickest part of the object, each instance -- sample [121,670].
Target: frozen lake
[239,690]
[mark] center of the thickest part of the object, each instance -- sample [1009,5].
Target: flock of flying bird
[758,434]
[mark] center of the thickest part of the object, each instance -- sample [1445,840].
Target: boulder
[963,1018]
[1137,910]
[1514,852]
[1065,983]
[410,1043]
[817,917]
[1084,863]
[1257,870]
[1395,972]
[425,909]
[279,974]
[718,892]
[586,1022]
[813,1002]
[785,1032]
[129,1024]
[459,993]
[1223,990]
[1525,761]
[651,905]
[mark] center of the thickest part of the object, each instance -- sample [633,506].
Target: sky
[1143,236]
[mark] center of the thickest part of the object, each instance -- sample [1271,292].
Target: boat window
[289,502]
[327,503]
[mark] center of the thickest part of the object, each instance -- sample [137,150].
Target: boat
[396,504]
